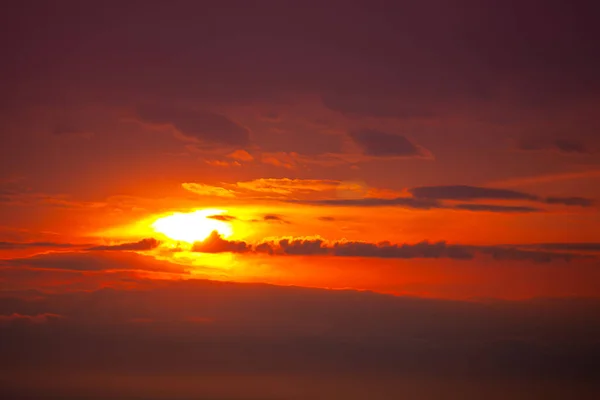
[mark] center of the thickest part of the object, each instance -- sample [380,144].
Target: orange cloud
[207,190]
[241,155]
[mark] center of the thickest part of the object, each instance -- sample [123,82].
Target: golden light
[192,227]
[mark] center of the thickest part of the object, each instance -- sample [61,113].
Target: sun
[192,227]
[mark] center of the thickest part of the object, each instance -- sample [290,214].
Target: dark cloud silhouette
[408,202]
[275,218]
[94,261]
[382,144]
[197,124]
[388,250]
[464,192]
[216,244]
[514,254]
[467,193]
[565,146]
[566,246]
[570,146]
[294,247]
[144,244]
[223,217]
[496,208]
[320,247]
[29,245]
[417,204]
[33,319]
[570,201]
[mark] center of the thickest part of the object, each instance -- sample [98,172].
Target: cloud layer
[345,248]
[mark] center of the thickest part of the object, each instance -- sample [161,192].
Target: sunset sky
[259,191]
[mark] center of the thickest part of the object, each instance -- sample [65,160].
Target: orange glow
[192,227]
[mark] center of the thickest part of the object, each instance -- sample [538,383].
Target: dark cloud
[570,201]
[464,192]
[275,218]
[144,244]
[514,254]
[197,124]
[467,193]
[567,246]
[298,247]
[570,146]
[94,261]
[388,250]
[33,319]
[496,208]
[29,245]
[382,144]
[216,244]
[224,218]
[408,202]
[319,247]
[326,219]
[565,146]
[417,204]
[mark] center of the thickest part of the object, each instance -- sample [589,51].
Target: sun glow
[192,227]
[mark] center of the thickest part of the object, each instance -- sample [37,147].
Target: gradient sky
[430,158]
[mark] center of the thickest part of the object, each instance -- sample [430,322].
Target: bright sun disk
[192,227]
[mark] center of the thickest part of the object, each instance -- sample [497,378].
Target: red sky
[429,150]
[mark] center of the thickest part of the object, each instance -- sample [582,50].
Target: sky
[299,199]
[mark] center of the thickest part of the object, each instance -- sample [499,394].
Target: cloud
[95,261]
[467,193]
[274,218]
[214,243]
[381,144]
[464,192]
[416,204]
[280,188]
[548,178]
[28,245]
[223,217]
[316,246]
[241,155]
[408,202]
[197,124]
[280,159]
[144,244]
[564,146]
[388,250]
[496,208]
[567,246]
[34,319]
[570,201]
[502,253]
[207,190]
[219,163]
[287,186]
